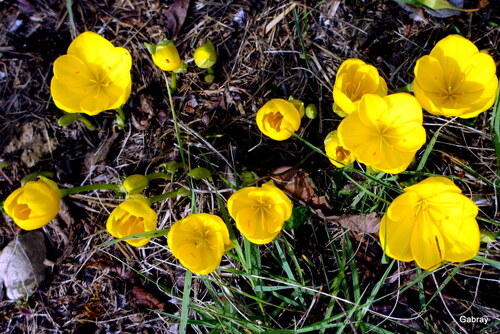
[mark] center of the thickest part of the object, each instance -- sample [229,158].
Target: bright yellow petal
[452,51]
[429,75]
[72,71]
[68,98]
[433,186]
[427,244]
[395,237]
[90,47]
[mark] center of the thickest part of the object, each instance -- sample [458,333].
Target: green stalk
[72,26]
[495,128]
[174,117]
[162,197]
[89,187]
[188,280]
[120,117]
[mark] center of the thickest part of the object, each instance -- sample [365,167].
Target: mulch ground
[266,49]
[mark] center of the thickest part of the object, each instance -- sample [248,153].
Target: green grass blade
[188,280]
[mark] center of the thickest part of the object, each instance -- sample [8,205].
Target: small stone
[21,265]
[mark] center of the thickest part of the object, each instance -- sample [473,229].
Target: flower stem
[174,118]
[72,27]
[173,83]
[153,176]
[162,197]
[89,187]
[120,117]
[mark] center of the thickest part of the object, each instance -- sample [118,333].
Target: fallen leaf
[143,297]
[298,183]
[174,16]
[366,223]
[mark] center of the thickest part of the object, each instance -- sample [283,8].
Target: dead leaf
[366,223]
[298,183]
[174,16]
[143,297]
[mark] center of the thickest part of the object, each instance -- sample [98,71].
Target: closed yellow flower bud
[135,183]
[205,55]
[35,204]
[279,118]
[166,56]
[92,77]
[132,216]
[199,241]
[260,212]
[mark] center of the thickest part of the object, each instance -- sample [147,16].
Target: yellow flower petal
[90,47]
[395,238]
[427,244]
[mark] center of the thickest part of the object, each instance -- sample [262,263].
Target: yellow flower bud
[166,56]
[135,183]
[199,241]
[132,216]
[205,55]
[311,111]
[35,204]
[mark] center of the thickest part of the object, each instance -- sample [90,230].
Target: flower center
[342,153]
[274,119]
[100,79]
[21,211]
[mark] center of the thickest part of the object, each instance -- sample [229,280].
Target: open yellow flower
[199,241]
[384,133]
[35,204]
[278,118]
[455,79]
[338,155]
[260,212]
[432,222]
[354,79]
[94,76]
[132,216]
[166,56]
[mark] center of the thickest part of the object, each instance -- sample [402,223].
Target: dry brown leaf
[298,183]
[143,297]
[366,223]
[174,16]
